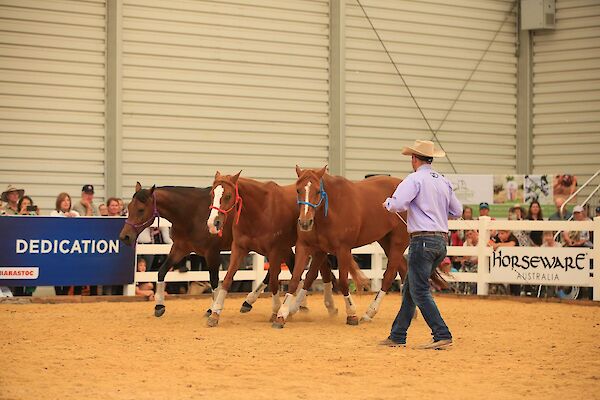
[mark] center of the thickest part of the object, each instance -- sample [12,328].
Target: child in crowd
[144,288]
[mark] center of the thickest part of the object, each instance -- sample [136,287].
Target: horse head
[141,213]
[224,198]
[311,195]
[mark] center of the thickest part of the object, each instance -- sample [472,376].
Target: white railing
[375,273]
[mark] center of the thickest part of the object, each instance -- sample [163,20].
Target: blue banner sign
[54,251]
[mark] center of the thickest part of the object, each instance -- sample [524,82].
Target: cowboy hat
[11,188]
[423,148]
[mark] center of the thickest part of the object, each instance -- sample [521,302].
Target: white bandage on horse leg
[350,307]
[253,296]
[217,306]
[276,302]
[374,306]
[284,311]
[159,296]
[301,298]
[328,295]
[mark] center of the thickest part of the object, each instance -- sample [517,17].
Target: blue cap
[484,205]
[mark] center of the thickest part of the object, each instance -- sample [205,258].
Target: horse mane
[144,194]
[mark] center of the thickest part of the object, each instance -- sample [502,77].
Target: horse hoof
[159,310]
[273,317]
[303,309]
[213,320]
[365,318]
[246,307]
[207,313]
[332,312]
[278,323]
[353,320]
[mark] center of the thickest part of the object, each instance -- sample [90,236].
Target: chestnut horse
[337,215]
[187,210]
[265,216]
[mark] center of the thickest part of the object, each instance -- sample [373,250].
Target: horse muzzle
[126,239]
[307,225]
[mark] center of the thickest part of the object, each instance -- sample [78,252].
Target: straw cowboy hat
[423,148]
[11,188]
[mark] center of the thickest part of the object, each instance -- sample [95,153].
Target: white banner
[541,266]
[473,189]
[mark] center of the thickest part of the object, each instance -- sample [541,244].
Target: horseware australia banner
[53,251]
[541,266]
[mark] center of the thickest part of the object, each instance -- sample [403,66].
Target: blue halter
[323,194]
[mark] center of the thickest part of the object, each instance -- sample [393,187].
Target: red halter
[238,199]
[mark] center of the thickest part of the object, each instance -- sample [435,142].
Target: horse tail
[438,280]
[358,276]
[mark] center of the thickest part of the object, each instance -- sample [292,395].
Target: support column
[524,149]
[113,136]
[337,78]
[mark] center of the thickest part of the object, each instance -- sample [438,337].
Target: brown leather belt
[425,233]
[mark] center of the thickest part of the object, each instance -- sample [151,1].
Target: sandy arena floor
[109,350]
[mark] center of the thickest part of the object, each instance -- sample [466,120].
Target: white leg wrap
[374,306]
[299,300]
[217,306]
[215,292]
[328,295]
[350,306]
[276,301]
[284,311]
[159,296]
[253,296]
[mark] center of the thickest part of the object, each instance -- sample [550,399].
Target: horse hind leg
[253,295]
[344,263]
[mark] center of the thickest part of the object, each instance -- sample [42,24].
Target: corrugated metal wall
[566,77]
[52,79]
[436,45]
[223,85]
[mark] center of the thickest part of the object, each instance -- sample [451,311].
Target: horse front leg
[213,261]
[344,257]
[237,256]
[253,295]
[302,259]
[328,277]
[314,266]
[175,256]
[275,260]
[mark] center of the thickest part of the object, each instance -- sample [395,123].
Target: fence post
[376,270]
[596,259]
[483,273]
[258,266]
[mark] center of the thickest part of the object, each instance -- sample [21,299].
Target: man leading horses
[429,199]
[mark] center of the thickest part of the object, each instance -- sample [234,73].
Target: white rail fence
[522,265]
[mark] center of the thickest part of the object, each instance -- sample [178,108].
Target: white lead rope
[400,216]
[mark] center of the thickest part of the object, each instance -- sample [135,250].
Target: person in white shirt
[63,206]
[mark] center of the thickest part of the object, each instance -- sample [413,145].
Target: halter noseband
[323,194]
[147,223]
[238,199]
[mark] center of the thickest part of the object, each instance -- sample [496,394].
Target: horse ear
[152,189]
[138,187]
[298,171]
[322,171]
[217,175]
[235,178]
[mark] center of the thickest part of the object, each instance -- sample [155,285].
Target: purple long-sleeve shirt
[429,199]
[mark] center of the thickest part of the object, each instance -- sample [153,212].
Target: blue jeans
[425,254]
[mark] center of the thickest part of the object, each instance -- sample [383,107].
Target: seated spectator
[516,213]
[85,206]
[144,288]
[535,214]
[548,240]
[123,209]
[62,207]
[578,238]
[26,206]
[469,263]
[558,216]
[11,196]
[504,238]
[484,211]
[103,210]
[113,207]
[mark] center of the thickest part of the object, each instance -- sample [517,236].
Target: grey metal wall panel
[222,85]
[52,64]
[436,45]
[566,92]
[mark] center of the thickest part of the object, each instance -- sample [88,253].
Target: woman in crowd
[26,206]
[113,206]
[535,214]
[62,207]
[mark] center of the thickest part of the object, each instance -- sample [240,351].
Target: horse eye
[140,211]
[298,191]
[227,197]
